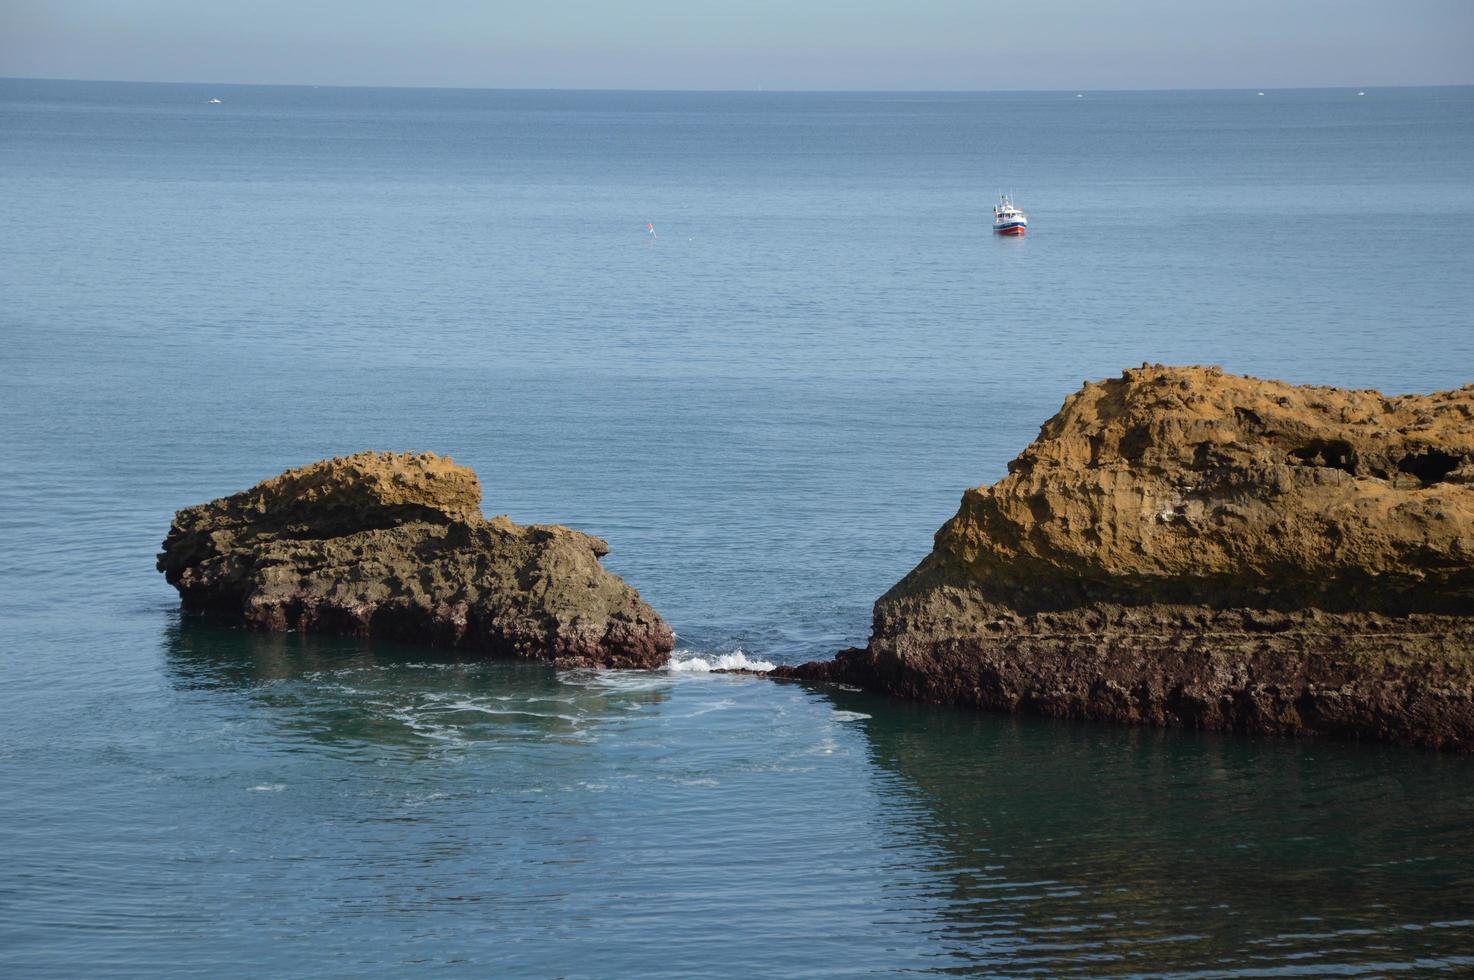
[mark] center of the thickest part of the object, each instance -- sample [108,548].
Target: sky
[747,44]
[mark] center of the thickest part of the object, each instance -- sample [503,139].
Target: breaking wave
[686,662]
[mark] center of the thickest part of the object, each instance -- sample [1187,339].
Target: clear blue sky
[744,44]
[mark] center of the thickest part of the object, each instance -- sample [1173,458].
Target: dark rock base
[622,646]
[1408,680]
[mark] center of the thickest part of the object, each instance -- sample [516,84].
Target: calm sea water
[768,409]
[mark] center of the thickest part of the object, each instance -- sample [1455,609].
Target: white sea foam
[473,708]
[268,788]
[614,681]
[849,716]
[686,662]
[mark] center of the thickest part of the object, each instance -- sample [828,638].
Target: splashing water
[684,661]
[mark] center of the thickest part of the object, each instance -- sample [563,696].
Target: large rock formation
[393,545]
[1186,547]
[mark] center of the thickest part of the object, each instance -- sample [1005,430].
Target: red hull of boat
[1015,230]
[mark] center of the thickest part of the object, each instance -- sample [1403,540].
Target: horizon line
[732,91]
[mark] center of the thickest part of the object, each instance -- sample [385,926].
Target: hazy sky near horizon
[747,44]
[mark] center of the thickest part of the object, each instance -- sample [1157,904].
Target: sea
[767,401]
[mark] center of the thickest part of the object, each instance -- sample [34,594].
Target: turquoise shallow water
[767,410]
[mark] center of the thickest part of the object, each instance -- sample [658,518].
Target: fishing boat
[1007,219]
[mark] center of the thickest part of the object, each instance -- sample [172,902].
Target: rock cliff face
[394,545]
[1182,546]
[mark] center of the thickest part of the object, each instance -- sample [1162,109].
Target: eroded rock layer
[395,545]
[1182,546]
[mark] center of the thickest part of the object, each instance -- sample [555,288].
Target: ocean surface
[767,410]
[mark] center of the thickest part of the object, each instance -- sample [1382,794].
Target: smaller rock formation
[1186,547]
[395,545]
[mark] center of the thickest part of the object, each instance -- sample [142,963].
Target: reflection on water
[336,689]
[1063,845]
[850,831]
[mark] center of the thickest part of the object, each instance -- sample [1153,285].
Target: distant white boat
[1007,219]
[214,102]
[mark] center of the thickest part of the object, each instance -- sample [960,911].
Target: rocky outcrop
[1185,547]
[395,545]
